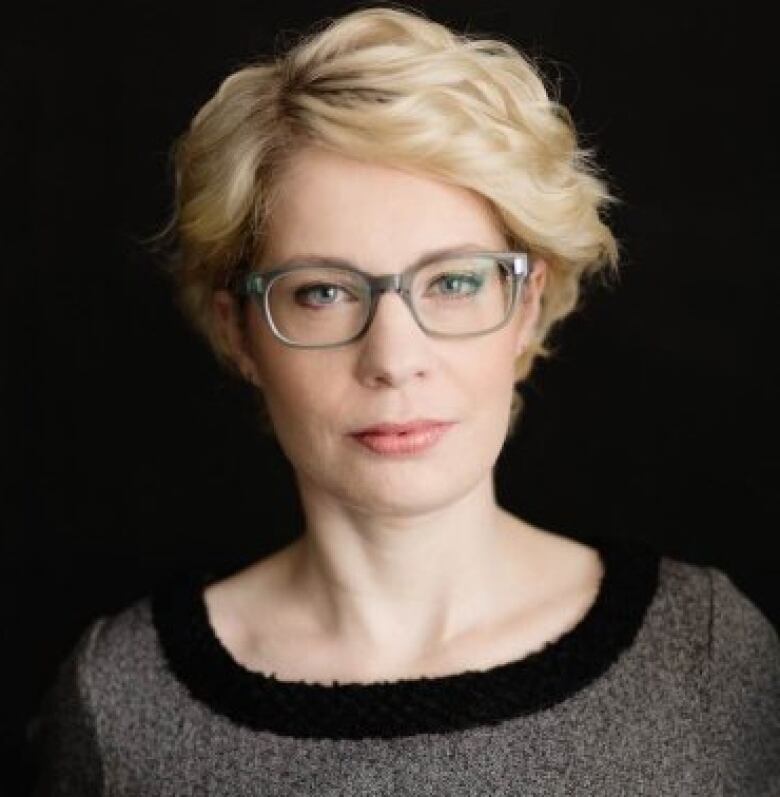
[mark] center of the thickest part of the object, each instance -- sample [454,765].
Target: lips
[408,438]
[419,425]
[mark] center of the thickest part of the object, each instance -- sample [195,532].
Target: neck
[407,583]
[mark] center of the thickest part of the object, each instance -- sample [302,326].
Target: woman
[378,230]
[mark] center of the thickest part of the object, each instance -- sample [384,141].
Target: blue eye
[326,291]
[460,284]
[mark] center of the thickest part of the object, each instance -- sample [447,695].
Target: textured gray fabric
[691,708]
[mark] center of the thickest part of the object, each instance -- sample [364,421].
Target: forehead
[331,204]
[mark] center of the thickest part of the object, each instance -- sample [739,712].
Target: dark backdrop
[133,456]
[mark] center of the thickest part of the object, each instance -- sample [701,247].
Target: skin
[406,567]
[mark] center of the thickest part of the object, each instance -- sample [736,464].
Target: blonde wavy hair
[388,85]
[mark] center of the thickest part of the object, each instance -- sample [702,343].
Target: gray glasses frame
[258,283]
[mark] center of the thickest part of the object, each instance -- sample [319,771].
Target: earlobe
[230,330]
[225,321]
[532,290]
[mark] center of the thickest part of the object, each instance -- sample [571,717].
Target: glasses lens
[462,295]
[317,306]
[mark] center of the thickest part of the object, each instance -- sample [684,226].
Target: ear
[530,301]
[230,327]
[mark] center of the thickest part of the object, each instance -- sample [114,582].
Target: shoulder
[733,651]
[734,629]
[706,602]
[740,632]
[744,657]
[110,653]
[116,665]
[67,735]
[116,647]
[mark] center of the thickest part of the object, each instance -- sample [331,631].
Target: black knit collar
[406,707]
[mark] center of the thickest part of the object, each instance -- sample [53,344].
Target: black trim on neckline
[388,709]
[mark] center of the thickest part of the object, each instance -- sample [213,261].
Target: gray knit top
[669,685]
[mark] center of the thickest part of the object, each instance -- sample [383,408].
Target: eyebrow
[426,257]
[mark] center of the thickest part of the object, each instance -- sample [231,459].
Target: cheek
[304,396]
[491,373]
[490,385]
[292,394]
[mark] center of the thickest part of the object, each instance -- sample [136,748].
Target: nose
[394,348]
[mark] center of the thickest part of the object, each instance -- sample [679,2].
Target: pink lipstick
[413,438]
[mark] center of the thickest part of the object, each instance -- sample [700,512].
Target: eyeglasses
[321,303]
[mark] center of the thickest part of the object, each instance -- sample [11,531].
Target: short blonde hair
[389,85]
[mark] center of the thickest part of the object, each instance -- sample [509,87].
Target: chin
[407,489]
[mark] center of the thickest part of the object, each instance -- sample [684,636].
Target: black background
[132,456]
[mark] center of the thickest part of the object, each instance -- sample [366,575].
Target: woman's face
[382,220]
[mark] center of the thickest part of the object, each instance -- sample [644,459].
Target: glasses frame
[258,283]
